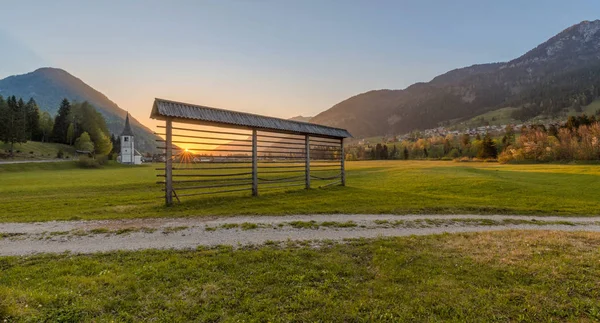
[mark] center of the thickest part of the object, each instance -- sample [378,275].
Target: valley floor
[99,245]
[188,233]
[37,192]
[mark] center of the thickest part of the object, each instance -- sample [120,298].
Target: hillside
[548,79]
[301,118]
[233,145]
[34,150]
[48,86]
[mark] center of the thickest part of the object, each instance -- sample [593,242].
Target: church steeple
[127,130]
[128,155]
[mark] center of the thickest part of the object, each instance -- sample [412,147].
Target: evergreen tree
[33,120]
[13,122]
[378,149]
[394,154]
[405,153]
[116,144]
[509,136]
[384,152]
[61,122]
[488,148]
[3,117]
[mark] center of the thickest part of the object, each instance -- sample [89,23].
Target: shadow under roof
[185,112]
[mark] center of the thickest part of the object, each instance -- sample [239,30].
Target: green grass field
[503,116]
[60,191]
[589,110]
[503,276]
[496,117]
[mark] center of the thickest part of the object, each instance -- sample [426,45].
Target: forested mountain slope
[48,86]
[562,72]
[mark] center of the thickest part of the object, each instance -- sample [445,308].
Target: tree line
[77,124]
[576,139]
[436,147]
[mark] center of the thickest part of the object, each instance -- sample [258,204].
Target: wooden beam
[343,162]
[169,163]
[254,163]
[307,161]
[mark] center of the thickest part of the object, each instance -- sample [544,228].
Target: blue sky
[281,58]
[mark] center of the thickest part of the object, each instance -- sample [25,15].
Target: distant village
[493,130]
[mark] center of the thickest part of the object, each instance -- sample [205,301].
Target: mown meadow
[61,191]
[532,276]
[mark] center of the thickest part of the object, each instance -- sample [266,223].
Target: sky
[280,58]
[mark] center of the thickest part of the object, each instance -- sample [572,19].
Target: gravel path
[184,233]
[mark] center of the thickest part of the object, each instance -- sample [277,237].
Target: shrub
[102,159]
[454,153]
[87,162]
[60,154]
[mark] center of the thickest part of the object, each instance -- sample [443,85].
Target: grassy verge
[63,192]
[501,276]
[34,150]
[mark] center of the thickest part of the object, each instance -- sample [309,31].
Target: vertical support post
[254,163]
[169,163]
[343,162]
[307,161]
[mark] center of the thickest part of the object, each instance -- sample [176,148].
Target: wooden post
[254,163]
[343,162]
[169,163]
[307,161]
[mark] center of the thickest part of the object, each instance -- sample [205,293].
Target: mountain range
[48,87]
[562,72]
[547,79]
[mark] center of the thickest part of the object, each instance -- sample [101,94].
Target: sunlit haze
[279,58]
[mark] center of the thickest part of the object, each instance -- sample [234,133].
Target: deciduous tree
[46,124]
[84,143]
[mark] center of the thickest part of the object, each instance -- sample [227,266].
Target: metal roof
[163,109]
[127,130]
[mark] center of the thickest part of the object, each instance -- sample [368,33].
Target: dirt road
[183,233]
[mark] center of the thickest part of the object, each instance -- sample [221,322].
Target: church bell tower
[127,148]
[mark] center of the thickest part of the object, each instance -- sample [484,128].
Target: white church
[128,153]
